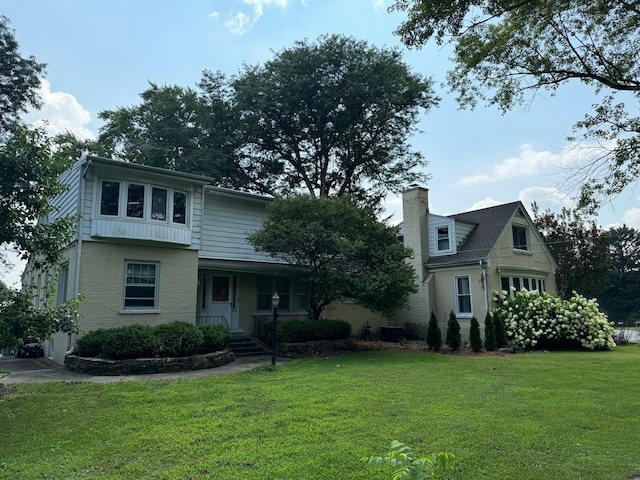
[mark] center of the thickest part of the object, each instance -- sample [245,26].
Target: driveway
[37,370]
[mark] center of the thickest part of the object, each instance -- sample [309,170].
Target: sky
[101,55]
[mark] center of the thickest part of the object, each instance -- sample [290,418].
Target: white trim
[457,295]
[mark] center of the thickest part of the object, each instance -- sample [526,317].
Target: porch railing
[212,320]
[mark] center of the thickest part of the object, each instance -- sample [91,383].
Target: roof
[489,224]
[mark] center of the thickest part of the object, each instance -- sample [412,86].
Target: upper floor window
[143,201]
[520,240]
[443,241]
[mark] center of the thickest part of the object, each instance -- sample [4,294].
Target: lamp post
[275,300]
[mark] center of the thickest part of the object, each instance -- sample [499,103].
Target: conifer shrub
[475,339]
[489,333]
[453,337]
[177,339]
[501,331]
[434,335]
[214,338]
[130,341]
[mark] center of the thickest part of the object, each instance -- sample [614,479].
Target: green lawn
[561,415]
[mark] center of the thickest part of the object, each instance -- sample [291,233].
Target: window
[293,295]
[109,200]
[443,238]
[519,283]
[143,201]
[135,201]
[63,278]
[158,204]
[520,238]
[141,285]
[463,296]
[179,208]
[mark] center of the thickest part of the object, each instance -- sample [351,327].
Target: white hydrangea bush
[535,320]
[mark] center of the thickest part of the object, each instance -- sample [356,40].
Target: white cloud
[530,162]
[60,112]
[484,203]
[241,22]
[378,4]
[546,198]
[632,218]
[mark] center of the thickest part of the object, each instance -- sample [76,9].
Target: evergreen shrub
[90,345]
[177,339]
[453,337]
[489,333]
[214,338]
[475,339]
[501,331]
[434,335]
[130,341]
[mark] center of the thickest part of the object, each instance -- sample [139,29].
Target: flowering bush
[535,320]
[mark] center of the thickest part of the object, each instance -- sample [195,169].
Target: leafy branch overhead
[507,51]
[328,118]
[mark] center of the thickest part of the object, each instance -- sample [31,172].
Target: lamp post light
[275,300]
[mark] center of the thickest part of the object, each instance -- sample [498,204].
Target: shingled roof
[489,224]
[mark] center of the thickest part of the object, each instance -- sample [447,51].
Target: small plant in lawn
[453,337]
[475,340]
[434,335]
[407,466]
[489,333]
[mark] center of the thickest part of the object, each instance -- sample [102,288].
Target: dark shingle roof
[489,225]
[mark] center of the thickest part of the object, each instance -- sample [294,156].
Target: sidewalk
[37,370]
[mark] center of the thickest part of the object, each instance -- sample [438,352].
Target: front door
[219,304]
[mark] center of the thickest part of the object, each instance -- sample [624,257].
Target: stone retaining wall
[137,366]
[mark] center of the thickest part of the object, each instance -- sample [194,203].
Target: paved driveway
[36,370]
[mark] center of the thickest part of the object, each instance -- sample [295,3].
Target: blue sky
[102,54]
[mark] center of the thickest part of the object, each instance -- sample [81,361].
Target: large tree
[29,172]
[339,250]
[580,248]
[507,50]
[19,78]
[330,118]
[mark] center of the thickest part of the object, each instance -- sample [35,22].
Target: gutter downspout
[76,280]
[484,285]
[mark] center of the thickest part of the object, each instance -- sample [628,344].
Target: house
[155,246]
[461,260]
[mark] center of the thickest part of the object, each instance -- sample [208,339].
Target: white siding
[463,230]
[67,202]
[226,222]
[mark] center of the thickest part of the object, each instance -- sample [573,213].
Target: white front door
[218,300]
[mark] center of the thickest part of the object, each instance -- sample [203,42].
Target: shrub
[434,335]
[489,333]
[131,341]
[299,331]
[453,337]
[414,331]
[177,339]
[325,329]
[475,339]
[214,338]
[535,320]
[90,345]
[501,332]
[406,465]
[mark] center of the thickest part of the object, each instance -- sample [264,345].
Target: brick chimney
[415,208]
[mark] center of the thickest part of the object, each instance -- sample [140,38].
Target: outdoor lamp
[275,300]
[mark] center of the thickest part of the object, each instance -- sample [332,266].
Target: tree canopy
[339,250]
[29,171]
[331,117]
[507,50]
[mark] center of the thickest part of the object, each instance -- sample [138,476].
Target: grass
[560,415]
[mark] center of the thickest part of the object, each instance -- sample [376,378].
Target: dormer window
[443,241]
[520,238]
